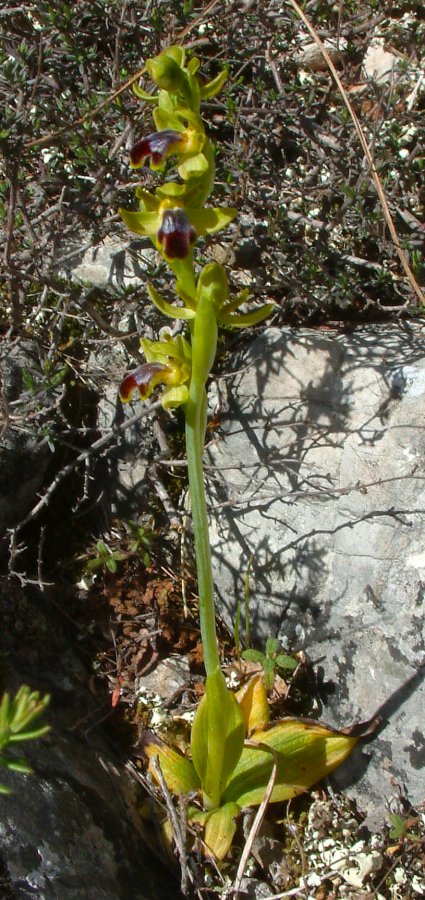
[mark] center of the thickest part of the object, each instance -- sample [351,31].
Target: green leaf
[306,752]
[16,765]
[272,645]
[269,665]
[286,662]
[102,548]
[93,564]
[255,656]
[29,735]
[111,564]
[252,699]
[398,828]
[217,738]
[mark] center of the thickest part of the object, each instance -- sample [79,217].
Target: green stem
[194,449]
[204,341]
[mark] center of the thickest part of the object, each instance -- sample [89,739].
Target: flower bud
[168,75]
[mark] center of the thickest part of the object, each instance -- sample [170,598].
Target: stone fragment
[117,263]
[311,57]
[379,64]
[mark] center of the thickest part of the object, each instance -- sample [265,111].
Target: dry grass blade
[375,177]
[258,817]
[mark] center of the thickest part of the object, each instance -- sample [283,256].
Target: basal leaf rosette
[305,752]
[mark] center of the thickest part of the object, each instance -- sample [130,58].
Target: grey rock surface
[319,475]
[72,829]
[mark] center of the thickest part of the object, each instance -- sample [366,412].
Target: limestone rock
[319,475]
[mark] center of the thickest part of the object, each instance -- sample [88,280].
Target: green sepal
[164,120]
[237,301]
[175,396]
[171,189]
[143,95]
[148,202]
[208,221]
[167,73]
[144,223]
[178,771]
[305,753]
[193,65]
[245,320]
[169,309]
[193,166]
[177,52]
[214,86]
[217,738]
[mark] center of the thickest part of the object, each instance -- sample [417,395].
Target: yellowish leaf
[178,771]
[252,699]
[305,753]
[220,830]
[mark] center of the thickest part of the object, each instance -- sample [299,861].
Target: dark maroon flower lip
[176,234]
[156,146]
[142,379]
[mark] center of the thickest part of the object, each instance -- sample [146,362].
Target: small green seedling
[140,542]
[18,716]
[105,558]
[399,828]
[271,660]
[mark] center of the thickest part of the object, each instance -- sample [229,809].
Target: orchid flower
[168,363]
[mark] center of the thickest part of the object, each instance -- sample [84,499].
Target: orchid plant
[236,755]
